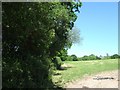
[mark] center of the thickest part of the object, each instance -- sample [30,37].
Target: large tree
[33,33]
[115,56]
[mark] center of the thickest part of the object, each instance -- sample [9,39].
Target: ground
[107,79]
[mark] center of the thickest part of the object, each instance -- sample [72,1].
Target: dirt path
[107,79]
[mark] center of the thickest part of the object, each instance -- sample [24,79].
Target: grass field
[78,69]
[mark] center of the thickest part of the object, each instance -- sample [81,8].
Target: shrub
[69,58]
[57,62]
[31,72]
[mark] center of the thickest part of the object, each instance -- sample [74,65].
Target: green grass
[80,68]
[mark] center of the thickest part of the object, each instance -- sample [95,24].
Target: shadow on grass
[55,74]
[65,68]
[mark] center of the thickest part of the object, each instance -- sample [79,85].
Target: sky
[98,25]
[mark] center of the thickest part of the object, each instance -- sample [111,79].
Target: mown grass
[78,69]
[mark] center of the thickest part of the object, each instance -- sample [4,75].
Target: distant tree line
[64,57]
[94,57]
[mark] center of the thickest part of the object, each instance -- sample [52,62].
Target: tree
[115,56]
[33,34]
[85,57]
[101,57]
[74,35]
[74,57]
[107,56]
[92,57]
[98,58]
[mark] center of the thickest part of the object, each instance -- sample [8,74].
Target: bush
[29,73]
[57,62]
[69,58]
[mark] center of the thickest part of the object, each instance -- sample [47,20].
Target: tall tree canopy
[33,33]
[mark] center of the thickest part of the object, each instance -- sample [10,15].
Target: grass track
[81,68]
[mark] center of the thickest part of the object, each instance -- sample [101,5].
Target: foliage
[63,54]
[85,57]
[57,62]
[69,58]
[79,58]
[74,35]
[74,58]
[98,58]
[115,56]
[92,57]
[33,34]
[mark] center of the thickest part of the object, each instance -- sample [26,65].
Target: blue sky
[98,25]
